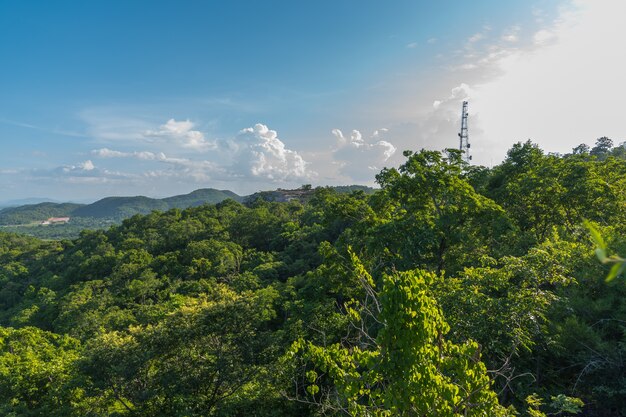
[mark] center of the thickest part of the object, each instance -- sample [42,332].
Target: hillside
[36,212]
[200,197]
[116,209]
[120,207]
[111,208]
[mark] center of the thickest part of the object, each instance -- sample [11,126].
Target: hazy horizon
[37,199]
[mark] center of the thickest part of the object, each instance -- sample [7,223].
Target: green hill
[36,212]
[111,208]
[121,207]
[200,197]
[117,209]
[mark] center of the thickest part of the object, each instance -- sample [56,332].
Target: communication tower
[464,144]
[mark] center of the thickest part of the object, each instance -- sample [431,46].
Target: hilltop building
[55,220]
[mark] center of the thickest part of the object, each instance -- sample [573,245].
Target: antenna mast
[464,144]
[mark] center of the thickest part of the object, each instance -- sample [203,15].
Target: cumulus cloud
[260,153]
[358,158]
[182,133]
[87,165]
[81,167]
[255,153]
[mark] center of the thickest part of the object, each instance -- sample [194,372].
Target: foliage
[409,368]
[36,373]
[35,213]
[452,289]
[618,263]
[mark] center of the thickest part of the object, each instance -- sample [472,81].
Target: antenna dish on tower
[464,145]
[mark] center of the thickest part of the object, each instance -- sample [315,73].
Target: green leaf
[596,237]
[313,389]
[615,271]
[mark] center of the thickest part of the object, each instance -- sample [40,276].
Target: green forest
[453,290]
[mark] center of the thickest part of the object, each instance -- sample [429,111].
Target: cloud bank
[254,154]
[361,159]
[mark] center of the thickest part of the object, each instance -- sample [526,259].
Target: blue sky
[161,97]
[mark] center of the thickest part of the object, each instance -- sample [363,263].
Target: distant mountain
[26,201]
[112,208]
[200,197]
[120,208]
[117,209]
[36,212]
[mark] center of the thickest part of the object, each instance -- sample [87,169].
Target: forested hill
[452,291]
[117,209]
[35,212]
[113,208]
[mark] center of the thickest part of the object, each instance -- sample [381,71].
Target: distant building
[56,220]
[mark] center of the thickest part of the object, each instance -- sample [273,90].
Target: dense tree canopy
[453,290]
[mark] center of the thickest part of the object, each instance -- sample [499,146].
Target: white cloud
[339,136]
[108,153]
[512,34]
[256,153]
[87,166]
[81,173]
[78,168]
[260,153]
[359,159]
[106,125]
[182,133]
[476,37]
[411,45]
[143,155]
[461,92]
